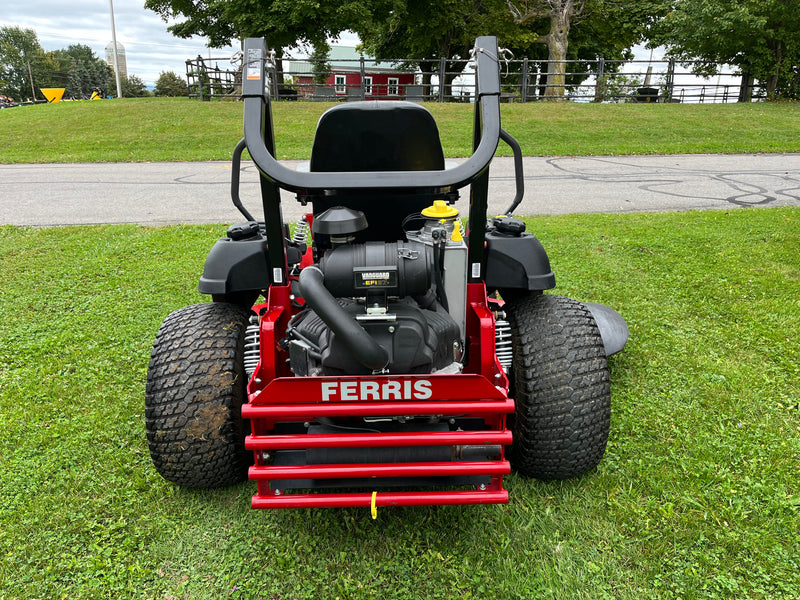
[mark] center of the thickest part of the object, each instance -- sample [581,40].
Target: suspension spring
[502,341]
[252,347]
[300,231]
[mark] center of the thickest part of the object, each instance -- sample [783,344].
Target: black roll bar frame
[260,142]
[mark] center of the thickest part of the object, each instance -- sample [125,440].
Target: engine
[377,307]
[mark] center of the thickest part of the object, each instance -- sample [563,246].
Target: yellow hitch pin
[374,507]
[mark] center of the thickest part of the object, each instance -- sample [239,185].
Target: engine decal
[371,277]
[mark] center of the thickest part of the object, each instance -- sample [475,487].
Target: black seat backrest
[377,136]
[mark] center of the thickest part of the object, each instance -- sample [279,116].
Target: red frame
[276,396]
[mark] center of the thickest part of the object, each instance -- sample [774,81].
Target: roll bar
[260,142]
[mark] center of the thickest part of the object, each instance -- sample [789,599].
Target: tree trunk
[557,45]
[278,70]
[560,13]
[777,52]
[427,72]
[746,88]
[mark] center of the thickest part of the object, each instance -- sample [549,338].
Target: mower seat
[377,136]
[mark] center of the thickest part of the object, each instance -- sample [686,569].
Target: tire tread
[560,384]
[195,389]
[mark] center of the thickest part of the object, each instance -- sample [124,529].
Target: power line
[94,38]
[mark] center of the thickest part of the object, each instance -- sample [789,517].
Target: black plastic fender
[236,266]
[613,328]
[517,262]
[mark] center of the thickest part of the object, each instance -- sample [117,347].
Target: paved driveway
[199,192]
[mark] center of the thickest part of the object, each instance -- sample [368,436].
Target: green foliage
[283,23]
[616,87]
[320,66]
[80,71]
[604,28]
[409,28]
[132,87]
[579,30]
[76,68]
[170,84]
[609,28]
[696,496]
[761,37]
[20,54]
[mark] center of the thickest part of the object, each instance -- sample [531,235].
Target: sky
[149,47]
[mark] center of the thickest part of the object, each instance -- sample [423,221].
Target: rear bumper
[293,404]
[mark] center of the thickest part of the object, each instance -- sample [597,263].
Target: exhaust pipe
[365,349]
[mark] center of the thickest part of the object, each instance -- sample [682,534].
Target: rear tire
[560,383]
[196,385]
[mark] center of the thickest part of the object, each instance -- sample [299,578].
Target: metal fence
[522,80]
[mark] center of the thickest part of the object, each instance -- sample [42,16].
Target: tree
[411,29]
[416,28]
[761,37]
[20,55]
[320,66]
[102,74]
[75,68]
[80,71]
[606,28]
[170,84]
[132,87]
[560,14]
[284,23]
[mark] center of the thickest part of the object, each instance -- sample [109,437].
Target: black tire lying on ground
[560,383]
[196,385]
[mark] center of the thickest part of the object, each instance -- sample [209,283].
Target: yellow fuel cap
[440,210]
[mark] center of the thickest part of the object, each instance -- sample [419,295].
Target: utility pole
[114,42]
[30,74]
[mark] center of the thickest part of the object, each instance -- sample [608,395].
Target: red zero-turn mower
[396,360]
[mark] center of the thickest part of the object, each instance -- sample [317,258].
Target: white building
[123,67]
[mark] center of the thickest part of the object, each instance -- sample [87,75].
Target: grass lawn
[177,129]
[697,496]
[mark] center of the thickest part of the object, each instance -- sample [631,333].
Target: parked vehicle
[396,359]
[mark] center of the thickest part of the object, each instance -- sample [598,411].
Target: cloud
[149,47]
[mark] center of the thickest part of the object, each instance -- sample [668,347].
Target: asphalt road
[44,195]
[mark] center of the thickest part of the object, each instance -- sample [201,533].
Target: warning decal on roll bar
[254,63]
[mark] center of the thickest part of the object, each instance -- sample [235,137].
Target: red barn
[347,74]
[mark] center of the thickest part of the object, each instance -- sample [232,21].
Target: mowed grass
[697,496]
[179,129]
